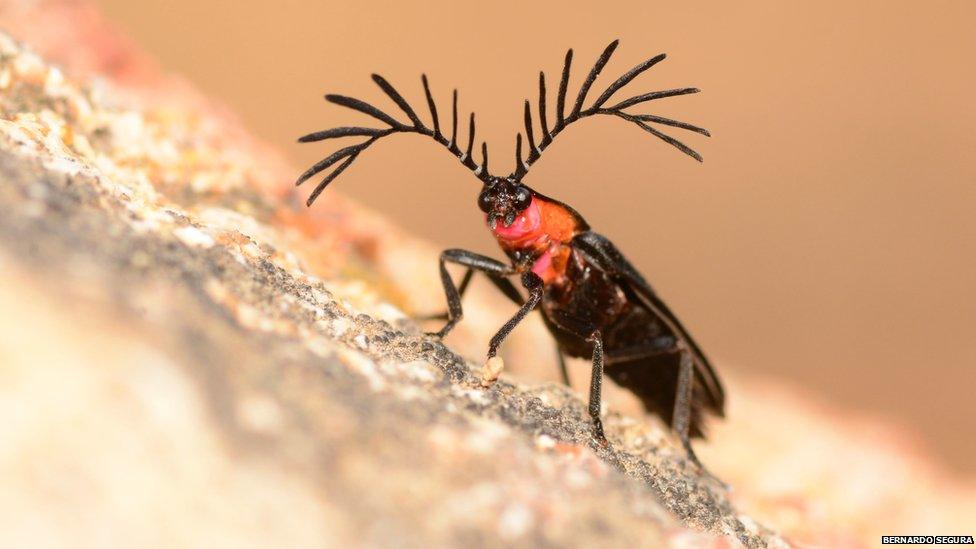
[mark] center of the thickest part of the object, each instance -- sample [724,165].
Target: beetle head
[503,199]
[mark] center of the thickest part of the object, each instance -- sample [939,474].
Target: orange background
[828,238]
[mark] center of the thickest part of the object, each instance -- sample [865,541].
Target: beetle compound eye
[523,197]
[484,202]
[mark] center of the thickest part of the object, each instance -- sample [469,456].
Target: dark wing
[602,252]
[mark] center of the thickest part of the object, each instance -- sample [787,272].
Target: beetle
[593,301]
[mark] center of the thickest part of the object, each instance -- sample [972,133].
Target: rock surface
[193,364]
[190,358]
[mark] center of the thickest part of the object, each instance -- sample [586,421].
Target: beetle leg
[682,410]
[563,372]
[682,404]
[462,287]
[506,287]
[503,284]
[584,329]
[596,387]
[472,261]
[533,284]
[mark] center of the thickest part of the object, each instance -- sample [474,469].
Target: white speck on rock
[577,478]
[478,396]
[545,442]
[486,436]
[339,326]
[364,366]
[411,392]
[388,312]
[319,295]
[193,236]
[418,370]
[252,251]
[54,80]
[65,165]
[260,414]
[515,521]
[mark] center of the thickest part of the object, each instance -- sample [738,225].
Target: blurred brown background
[828,238]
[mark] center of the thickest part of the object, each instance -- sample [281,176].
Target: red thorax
[543,231]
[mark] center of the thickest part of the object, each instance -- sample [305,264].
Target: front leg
[461,288]
[493,367]
[473,261]
[504,285]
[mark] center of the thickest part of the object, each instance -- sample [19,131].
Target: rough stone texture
[189,358]
[197,334]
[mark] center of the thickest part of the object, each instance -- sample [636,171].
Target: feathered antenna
[577,112]
[345,156]
[349,154]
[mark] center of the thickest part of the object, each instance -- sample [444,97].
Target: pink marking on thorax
[525,227]
[542,265]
